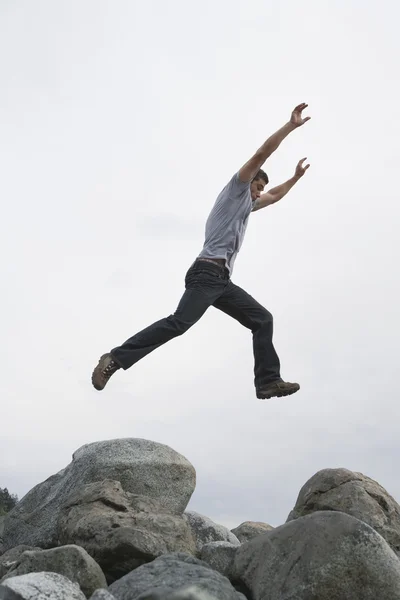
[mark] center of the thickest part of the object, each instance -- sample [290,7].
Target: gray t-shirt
[227,222]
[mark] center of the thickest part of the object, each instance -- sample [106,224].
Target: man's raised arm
[251,168]
[277,193]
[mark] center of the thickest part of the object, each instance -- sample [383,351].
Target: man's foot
[277,389]
[102,373]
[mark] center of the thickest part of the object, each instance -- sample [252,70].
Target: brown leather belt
[216,261]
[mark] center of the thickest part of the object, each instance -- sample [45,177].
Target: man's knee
[268,316]
[263,319]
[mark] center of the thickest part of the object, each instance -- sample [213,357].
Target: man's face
[256,188]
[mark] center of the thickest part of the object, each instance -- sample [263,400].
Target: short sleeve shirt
[227,222]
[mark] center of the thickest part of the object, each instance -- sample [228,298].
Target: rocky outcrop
[141,466]
[323,556]
[204,530]
[250,529]
[354,494]
[120,530]
[71,561]
[115,517]
[170,574]
[40,586]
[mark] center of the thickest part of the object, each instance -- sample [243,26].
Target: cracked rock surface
[352,493]
[120,530]
[142,467]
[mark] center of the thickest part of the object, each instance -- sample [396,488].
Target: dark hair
[261,175]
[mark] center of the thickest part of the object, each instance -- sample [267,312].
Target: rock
[8,594]
[71,561]
[10,558]
[190,593]
[32,521]
[141,466]
[323,556]
[40,586]
[171,574]
[250,529]
[102,595]
[354,494]
[120,530]
[219,556]
[204,530]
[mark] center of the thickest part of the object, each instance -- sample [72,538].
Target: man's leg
[203,286]
[238,304]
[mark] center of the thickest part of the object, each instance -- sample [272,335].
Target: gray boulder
[10,558]
[354,494]
[102,595]
[204,530]
[172,574]
[190,593]
[250,529]
[120,530]
[71,561]
[323,556]
[219,556]
[40,586]
[141,466]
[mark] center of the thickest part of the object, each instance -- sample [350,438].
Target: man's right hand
[296,118]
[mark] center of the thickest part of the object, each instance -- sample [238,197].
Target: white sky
[120,123]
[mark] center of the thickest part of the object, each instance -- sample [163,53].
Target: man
[208,281]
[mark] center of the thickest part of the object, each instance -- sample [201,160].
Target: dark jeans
[208,285]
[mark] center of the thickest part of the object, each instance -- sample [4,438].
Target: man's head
[258,184]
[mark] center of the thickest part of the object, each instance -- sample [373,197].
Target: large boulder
[204,530]
[71,561]
[11,558]
[219,556]
[323,556]
[250,529]
[354,494]
[141,466]
[120,530]
[171,574]
[40,586]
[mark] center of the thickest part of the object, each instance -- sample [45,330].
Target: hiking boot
[277,389]
[102,373]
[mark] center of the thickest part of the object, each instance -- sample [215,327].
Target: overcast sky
[120,123]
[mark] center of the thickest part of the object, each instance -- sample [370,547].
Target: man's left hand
[300,169]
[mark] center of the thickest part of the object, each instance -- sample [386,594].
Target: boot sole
[98,387]
[277,394]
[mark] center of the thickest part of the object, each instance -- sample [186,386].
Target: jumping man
[208,280]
